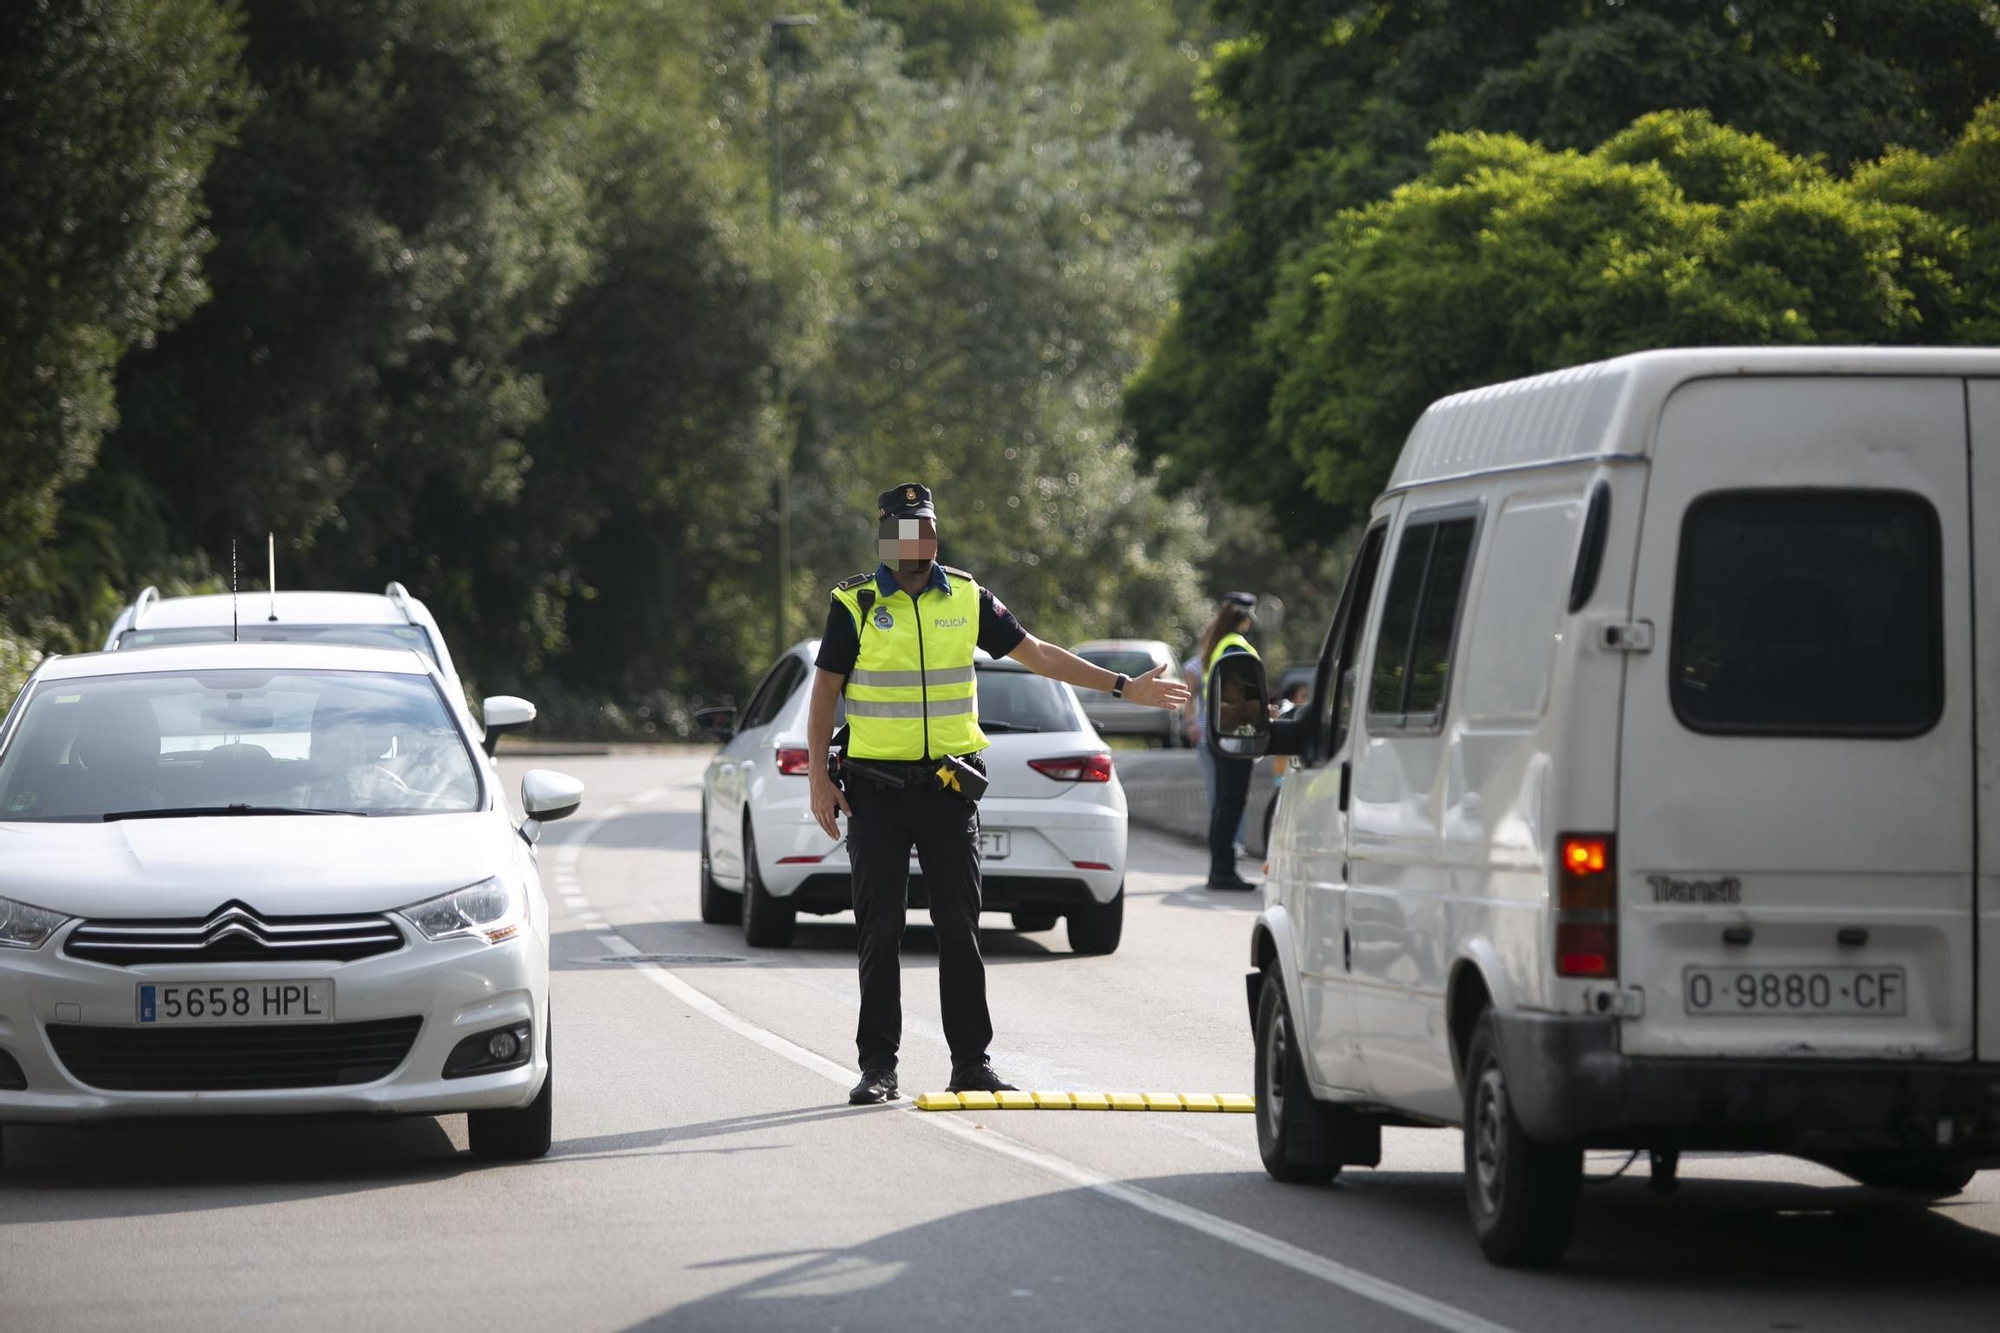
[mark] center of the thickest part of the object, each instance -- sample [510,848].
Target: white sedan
[1052,822]
[268,879]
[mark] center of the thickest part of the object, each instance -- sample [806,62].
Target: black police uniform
[943,827]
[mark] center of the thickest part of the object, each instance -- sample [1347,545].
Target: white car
[389,619]
[268,879]
[1052,822]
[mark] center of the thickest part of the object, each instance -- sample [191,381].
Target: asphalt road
[709,1175]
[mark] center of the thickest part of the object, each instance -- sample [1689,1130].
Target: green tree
[1506,259]
[110,111]
[1331,107]
[394,222]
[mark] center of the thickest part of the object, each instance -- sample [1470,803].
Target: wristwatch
[1118,685]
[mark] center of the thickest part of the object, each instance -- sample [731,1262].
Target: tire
[518,1134]
[1031,921]
[768,923]
[719,906]
[1097,928]
[1897,1171]
[1521,1194]
[1297,1136]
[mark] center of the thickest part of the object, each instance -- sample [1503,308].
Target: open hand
[1154,692]
[826,801]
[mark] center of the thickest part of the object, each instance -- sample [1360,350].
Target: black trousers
[1232,793]
[944,829]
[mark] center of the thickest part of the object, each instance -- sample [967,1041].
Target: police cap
[1246,601]
[910,500]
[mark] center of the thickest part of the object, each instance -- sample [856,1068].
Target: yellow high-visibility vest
[1222,645]
[911,694]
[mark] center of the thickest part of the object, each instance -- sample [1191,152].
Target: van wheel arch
[1467,996]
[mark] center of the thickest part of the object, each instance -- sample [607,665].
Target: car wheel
[518,1133]
[768,923]
[1096,928]
[1521,1193]
[1028,922]
[1297,1136]
[1899,1171]
[719,906]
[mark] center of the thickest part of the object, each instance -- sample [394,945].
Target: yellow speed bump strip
[1085,1101]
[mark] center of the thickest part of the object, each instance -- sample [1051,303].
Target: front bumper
[1568,1081]
[458,988]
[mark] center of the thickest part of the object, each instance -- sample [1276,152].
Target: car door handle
[1346,951]
[1346,782]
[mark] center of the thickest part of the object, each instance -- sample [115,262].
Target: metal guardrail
[1163,791]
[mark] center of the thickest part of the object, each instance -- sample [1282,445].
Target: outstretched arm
[1045,659]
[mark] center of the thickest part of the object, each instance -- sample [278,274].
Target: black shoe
[876,1085]
[977,1078]
[1234,884]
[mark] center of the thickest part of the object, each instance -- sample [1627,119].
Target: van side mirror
[1239,708]
[547,795]
[501,714]
[717,723]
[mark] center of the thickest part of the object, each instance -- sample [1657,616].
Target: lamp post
[775,30]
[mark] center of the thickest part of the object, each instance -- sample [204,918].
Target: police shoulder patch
[854,582]
[958,573]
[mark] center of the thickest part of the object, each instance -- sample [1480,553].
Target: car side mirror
[503,713]
[547,795]
[1239,712]
[718,723]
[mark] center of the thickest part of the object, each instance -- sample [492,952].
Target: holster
[956,775]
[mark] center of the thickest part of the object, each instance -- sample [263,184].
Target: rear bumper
[1568,1081]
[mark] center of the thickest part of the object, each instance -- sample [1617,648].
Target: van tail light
[1586,905]
[792,760]
[1075,767]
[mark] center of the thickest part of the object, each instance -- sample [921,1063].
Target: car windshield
[223,742]
[1021,701]
[1126,661]
[352,636]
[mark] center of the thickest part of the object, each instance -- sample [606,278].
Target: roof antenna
[271,549]
[234,636]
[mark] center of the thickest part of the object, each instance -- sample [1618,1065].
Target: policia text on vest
[899,645]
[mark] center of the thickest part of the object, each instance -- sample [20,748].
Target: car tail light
[792,760]
[1075,767]
[1586,905]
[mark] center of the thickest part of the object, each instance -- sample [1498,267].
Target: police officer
[899,644]
[1231,790]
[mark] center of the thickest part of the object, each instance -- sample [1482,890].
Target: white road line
[1385,1293]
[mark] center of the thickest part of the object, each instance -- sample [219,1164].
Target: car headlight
[492,909]
[25,927]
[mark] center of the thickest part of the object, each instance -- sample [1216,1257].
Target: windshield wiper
[196,811]
[989,724]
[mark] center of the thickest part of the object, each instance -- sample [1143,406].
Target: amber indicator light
[1586,943]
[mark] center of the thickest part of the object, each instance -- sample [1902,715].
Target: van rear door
[1795,830]
[1983,398]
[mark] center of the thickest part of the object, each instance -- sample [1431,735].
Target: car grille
[233,1059]
[234,933]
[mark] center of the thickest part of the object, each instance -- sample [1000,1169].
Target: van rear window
[1809,613]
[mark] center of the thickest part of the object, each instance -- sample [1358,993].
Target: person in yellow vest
[898,644]
[1230,791]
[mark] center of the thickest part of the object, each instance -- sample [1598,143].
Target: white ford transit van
[1650,794]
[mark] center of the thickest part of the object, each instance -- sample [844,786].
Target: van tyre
[1897,1171]
[518,1134]
[768,923]
[719,906]
[1521,1193]
[1297,1135]
[1097,927]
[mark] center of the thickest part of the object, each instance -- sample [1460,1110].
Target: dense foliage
[491,303]
[1333,106]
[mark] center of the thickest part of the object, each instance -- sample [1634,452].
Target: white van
[1650,794]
